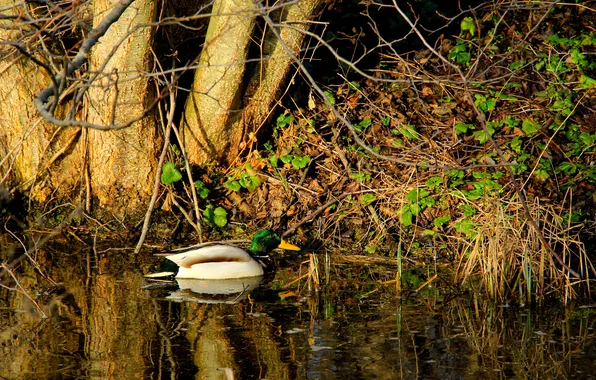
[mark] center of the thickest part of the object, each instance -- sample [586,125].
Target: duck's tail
[167,269]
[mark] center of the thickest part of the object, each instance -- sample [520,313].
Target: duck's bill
[291,247]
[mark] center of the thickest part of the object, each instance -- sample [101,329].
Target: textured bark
[220,113]
[267,83]
[122,163]
[33,154]
[64,163]
[215,93]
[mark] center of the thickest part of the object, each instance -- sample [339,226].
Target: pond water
[105,320]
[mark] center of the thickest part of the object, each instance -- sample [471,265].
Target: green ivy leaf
[567,167]
[405,216]
[367,199]
[233,185]
[273,160]
[300,162]
[441,220]
[409,132]
[363,125]
[529,126]
[330,97]
[467,210]
[587,82]
[463,128]
[170,174]
[283,120]
[360,177]
[466,227]
[220,217]
[434,182]
[468,24]
[202,189]
[415,195]
[485,104]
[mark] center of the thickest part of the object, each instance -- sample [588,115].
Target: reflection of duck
[220,261]
[214,291]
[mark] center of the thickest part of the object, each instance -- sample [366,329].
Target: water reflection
[229,291]
[103,324]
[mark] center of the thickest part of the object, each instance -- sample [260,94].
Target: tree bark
[220,113]
[122,163]
[215,95]
[66,162]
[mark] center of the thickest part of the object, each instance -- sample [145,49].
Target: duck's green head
[265,241]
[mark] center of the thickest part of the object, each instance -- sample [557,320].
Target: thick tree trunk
[60,163]
[220,113]
[215,92]
[122,163]
[34,154]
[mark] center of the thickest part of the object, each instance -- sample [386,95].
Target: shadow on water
[103,322]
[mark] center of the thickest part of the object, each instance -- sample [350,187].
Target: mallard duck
[217,262]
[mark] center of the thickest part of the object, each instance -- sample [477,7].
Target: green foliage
[468,24]
[466,227]
[409,132]
[441,220]
[299,162]
[360,177]
[530,127]
[418,201]
[233,185]
[354,86]
[587,82]
[485,103]
[246,179]
[170,174]
[284,120]
[463,128]
[367,199]
[202,189]
[330,97]
[481,135]
[434,182]
[460,53]
[362,125]
[216,216]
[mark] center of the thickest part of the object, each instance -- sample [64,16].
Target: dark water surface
[103,322]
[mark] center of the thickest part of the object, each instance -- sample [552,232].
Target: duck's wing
[211,254]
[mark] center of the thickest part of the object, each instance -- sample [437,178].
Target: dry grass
[508,259]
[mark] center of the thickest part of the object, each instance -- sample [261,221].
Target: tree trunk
[34,154]
[122,163]
[220,113]
[215,92]
[118,167]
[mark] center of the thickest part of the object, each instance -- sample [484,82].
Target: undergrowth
[451,197]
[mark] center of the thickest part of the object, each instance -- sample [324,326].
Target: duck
[221,261]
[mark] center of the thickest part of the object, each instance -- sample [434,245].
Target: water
[103,322]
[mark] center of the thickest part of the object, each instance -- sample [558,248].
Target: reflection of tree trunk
[119,331]
[210,344]
[269,354]
[122,163]
[102,330]
[220,113]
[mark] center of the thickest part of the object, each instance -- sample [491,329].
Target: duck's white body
[214,262]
